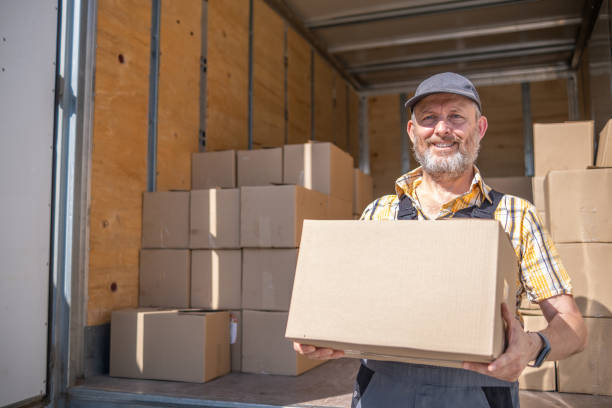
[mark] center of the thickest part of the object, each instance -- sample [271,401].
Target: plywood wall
[502,151]
[353,126]
[549,103]
[227,75]
[298,88]
[385,142]
[268,77]
[324,95]
[341,113]
[118,168]
[179,92]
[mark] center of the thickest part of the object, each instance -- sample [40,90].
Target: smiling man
[446,128]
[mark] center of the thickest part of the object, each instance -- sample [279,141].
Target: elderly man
[446,128]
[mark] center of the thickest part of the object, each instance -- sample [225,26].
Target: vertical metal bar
[364,136]
[572,97]
[250,123]
[527,128]
[403,134]
[312,95]
[153,92]
[286,91]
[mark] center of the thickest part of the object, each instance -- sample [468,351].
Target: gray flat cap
[446,82]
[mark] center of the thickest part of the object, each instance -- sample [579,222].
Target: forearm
[566,330]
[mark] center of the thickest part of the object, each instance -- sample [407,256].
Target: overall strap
[486,210]
[406,210]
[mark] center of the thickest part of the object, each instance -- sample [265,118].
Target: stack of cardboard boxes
[226,252]
[576,198]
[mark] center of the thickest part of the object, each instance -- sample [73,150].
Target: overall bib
[393,384]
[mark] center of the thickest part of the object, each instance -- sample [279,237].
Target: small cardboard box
[579,205]
[215,278]
[265,349]
[213,169]
[604,147]
[319,166]
[272,216]
[539,197]
[215,219]
[165,278]
[542,378]
[260,167]
[338,209]
[267,278]
[165,219]
[516,186]
[236,340]
[191,346]
[562,146]
[588,265]
[589,372]
[372,268]
[363,191]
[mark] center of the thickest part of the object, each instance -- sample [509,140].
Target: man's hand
[522,348]
[317,353]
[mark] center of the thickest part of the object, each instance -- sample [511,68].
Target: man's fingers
[337,354]
[478,367]
[303,348]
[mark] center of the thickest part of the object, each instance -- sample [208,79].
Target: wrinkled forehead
[444,101]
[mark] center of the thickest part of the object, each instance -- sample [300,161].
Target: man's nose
[442,128]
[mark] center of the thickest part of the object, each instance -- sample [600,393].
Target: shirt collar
[407,183]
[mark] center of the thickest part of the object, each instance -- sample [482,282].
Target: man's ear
[483,125]
[410,130]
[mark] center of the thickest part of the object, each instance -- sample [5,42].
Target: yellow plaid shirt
[541,273]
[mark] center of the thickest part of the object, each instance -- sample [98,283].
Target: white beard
[451,166]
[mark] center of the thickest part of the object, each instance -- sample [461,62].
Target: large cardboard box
[267,278]
[542,378]
[165,219]
[319,166]
[363,191]
[539,197]
[590,372]
[562,146]
[216,278]
[260,167]
[191,346]
[579,205]
[338,209]
[416,286]
[272,216]
[265,349]
[604,147]
[589,266]
[213,169]
[516,186]
[215,218]
[236,340]
[165,278]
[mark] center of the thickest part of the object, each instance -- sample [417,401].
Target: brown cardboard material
[542,378]
[215,278]
[165,219]
[265,349]
[588,265]
[539,197]
[236,340]
[215,219]
[260,167]
[604,147]
[579,205]
[338,209]
[562,146]
[590,372]
[267,278]
[433,297]
[319,166]
[213,169]
[165,278]
[516,186]
[363,191]
[272,216]
[191,346]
